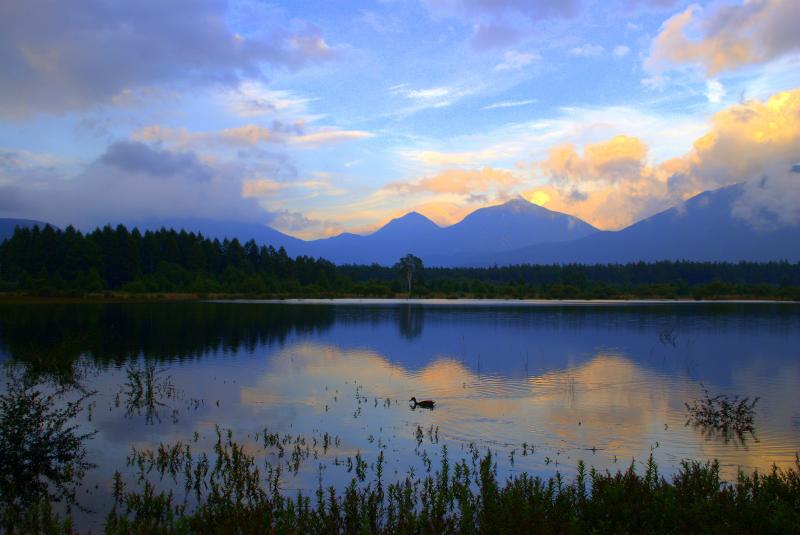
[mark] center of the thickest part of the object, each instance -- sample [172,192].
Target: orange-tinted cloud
[458,181]
[616,159]
[728,36]
[611,184]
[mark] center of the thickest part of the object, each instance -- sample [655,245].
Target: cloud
[439,158]
[302,226]
[265,187]
[509,104]
[328,136]
[746,141]
[457,181]
[620,51]
[587,50]
[137,157]
[715,91]
[253,98]
[498,23]
[726,37]
[514,61]
[430,97]
[611,184]
[133,181]
[657,4]
[61,55]
[250,135]
[20,168]
[495,35]
[610,161]
[495,9]
[772,202]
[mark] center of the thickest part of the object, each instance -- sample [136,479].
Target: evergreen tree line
[51,261]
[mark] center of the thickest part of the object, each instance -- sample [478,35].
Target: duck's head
[413,399]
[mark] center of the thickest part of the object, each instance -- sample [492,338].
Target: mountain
[411,233]
[262,234]
[483,233]
[486,231]
[700,229]
[7,226]
[517,223]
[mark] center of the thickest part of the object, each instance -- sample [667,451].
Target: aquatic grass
[232,495]
[149,391]
[721,414]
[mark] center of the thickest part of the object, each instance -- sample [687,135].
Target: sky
[319,117]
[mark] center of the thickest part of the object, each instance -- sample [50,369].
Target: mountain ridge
[701,228]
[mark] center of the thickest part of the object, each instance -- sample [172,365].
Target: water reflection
[602,384]
[411,321]
[42,451]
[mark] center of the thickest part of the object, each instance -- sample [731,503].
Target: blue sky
[323,117]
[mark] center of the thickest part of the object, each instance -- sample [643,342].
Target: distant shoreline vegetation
[117,263]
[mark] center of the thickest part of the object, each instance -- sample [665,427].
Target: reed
[229,493]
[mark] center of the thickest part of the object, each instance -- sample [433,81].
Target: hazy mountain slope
[702,229]
[514,224]
[412,233]
[262,234]
[7,226]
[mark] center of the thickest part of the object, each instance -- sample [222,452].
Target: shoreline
[498,302]
[119,297]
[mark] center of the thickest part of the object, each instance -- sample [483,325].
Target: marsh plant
[42,451]
[146,390]
[723,415]
[229,491]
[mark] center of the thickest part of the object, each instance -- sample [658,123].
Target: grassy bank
[66,297]
[227,492]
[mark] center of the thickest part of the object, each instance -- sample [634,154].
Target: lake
[542,386]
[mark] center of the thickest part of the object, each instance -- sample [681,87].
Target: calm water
[606,384]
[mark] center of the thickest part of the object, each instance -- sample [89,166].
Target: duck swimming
[425,403]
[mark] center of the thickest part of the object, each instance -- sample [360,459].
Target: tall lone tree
[408,266]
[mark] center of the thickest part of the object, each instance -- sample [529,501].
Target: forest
[117,261]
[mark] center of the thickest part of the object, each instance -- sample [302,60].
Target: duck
[425,403]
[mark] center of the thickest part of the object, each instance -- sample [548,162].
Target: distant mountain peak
[411,218]
[521,204]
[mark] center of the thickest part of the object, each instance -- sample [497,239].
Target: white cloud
[440,158]
[715,91]
[620,51]
[587,50]
[249,135]
[514,61]
[253,99]
[430,97]
[509,104]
